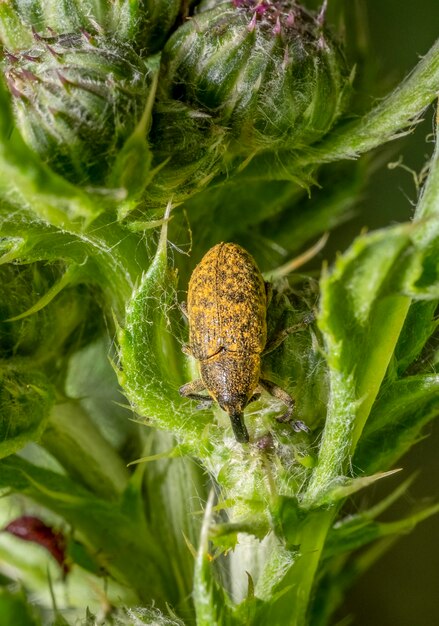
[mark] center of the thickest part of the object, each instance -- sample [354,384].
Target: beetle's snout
[239,429]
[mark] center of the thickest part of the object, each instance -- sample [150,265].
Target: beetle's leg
[254,397]
[195,386]
[205,402]
[280,337]
[191,390]
[281,394]
[186,349]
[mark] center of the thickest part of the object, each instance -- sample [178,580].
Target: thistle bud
[77,98]
[151,20]
[146,24]
[268,71]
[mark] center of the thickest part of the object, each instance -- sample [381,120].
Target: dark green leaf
[26,399]
[418,328]
[16,609]
[396,421]
[360,531]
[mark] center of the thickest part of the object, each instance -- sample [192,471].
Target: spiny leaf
[396,421]
[362,531]
[131,169]
[418,328]
[25,402]
[52,198]
[350,486]
[149,373]
[212,606]
[361,315]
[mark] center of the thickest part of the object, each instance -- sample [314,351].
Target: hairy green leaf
[25,402]
[360,531]
[149,371]
[212,605]
[396,421]
[15,608]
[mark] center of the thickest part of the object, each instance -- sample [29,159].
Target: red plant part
[31,528]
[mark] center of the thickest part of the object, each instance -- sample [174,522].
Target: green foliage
[25,401]
[145,349]
[273,77]
[15,609]
[99,133]
[68,111]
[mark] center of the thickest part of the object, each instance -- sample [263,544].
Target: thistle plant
[133,137]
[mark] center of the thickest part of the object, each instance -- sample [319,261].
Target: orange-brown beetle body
[227,308]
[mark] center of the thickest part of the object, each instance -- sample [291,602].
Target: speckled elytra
[227,311]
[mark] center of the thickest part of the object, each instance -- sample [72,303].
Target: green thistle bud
[77,98]
[152,20]
[266,70]
[146,24]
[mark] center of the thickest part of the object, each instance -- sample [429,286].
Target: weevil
[227,312]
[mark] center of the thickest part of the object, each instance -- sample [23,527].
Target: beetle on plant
[227,312]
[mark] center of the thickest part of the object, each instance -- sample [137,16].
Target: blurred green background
[402,588]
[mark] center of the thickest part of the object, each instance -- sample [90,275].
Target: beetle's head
[231,379]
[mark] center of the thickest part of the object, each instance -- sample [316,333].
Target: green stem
[428,205]
[311,545]
[291,602]
[393,116]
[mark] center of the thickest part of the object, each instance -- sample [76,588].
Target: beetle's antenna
[239,429]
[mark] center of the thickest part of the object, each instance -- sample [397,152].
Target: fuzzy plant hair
[134,136]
